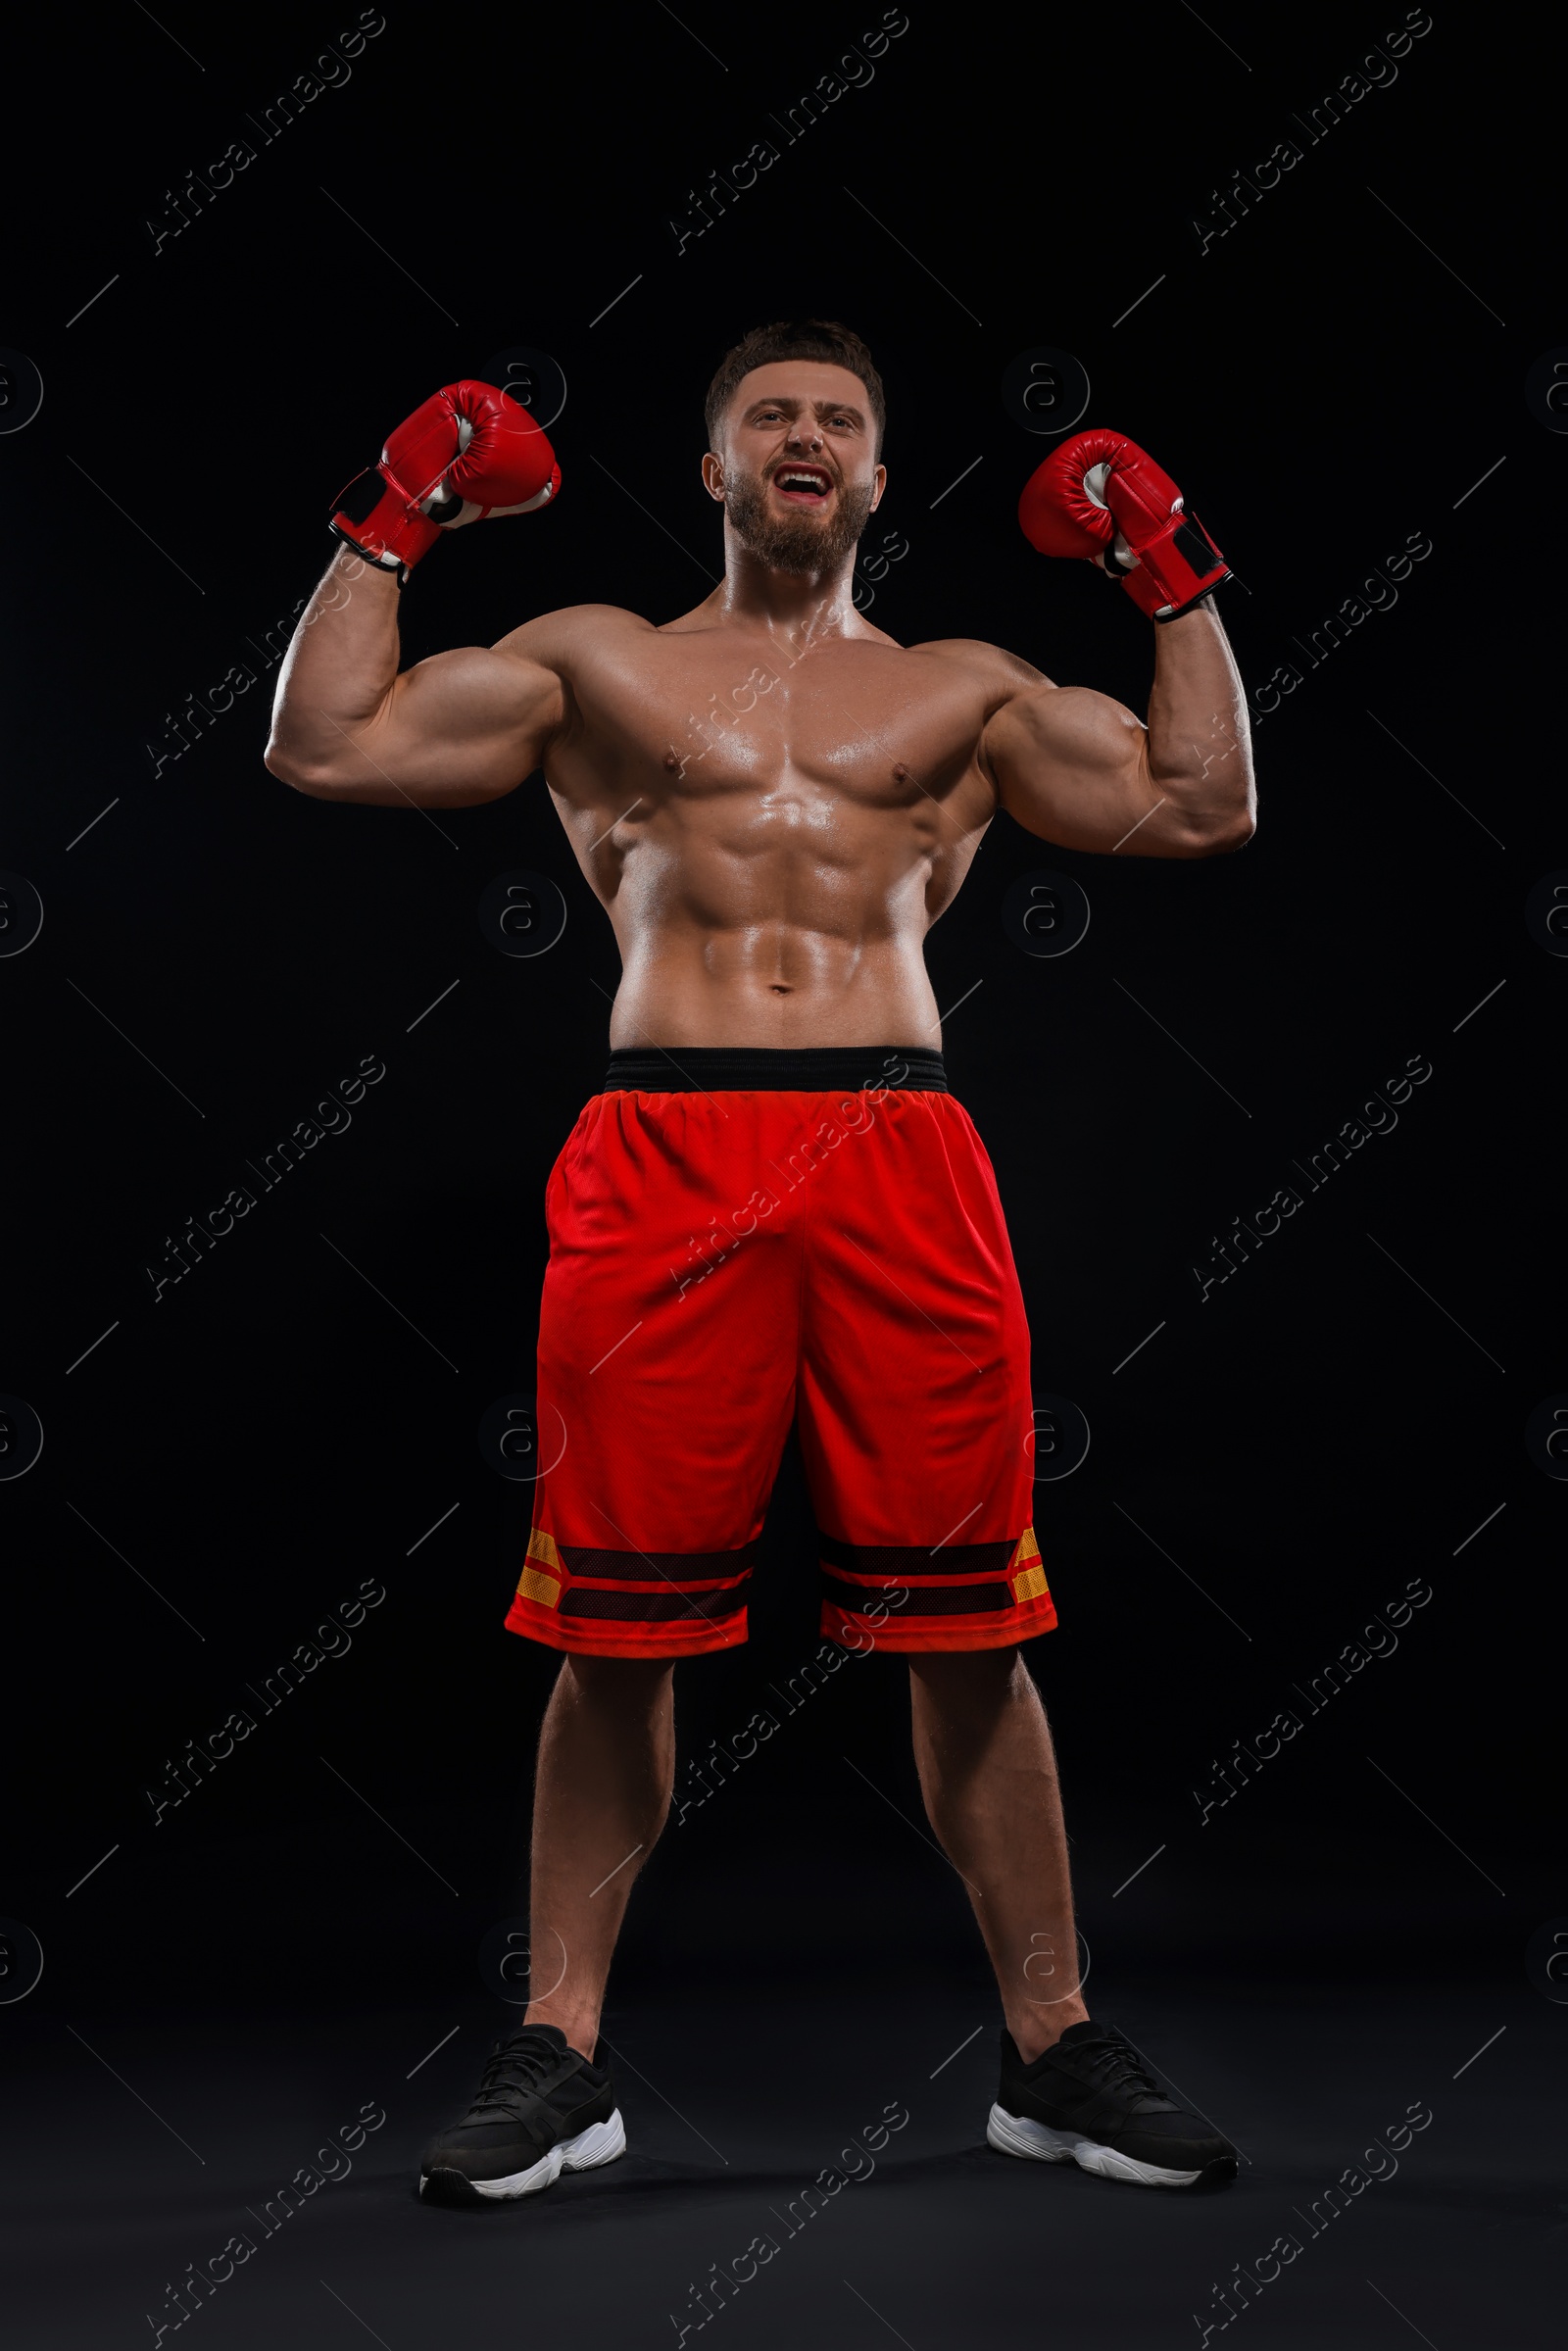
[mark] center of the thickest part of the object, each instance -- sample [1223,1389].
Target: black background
[1281,1459]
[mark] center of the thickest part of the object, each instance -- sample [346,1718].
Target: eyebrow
[823,408]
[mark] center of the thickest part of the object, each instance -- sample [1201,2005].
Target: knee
[964,1696]
[628,1684]
[966,1677]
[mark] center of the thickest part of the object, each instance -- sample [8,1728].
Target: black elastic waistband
[768,1069]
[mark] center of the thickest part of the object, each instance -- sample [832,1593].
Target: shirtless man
[774,1211]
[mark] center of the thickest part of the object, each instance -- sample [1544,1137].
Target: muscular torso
[771,826]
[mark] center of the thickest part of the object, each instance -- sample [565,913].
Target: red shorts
[739,1240]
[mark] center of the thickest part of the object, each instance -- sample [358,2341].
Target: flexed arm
[1076,766]
[457,729]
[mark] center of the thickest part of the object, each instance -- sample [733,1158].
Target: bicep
[455,730]
[1072,766]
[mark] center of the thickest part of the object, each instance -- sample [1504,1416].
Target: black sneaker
[1090,2100]
[540,2110]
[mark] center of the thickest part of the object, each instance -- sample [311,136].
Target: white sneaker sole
[1016,2134]
[601,2143]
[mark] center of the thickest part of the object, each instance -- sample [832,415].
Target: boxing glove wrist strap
[1171,571]
[379,521]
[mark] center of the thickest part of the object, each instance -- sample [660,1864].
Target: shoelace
[1115,2064]
[511,2071]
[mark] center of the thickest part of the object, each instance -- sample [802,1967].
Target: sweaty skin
[772,799]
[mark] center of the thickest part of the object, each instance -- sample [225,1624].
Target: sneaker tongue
[551,2034]
[1087,2030]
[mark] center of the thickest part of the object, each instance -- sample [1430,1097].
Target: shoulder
[998,674]
[575,629]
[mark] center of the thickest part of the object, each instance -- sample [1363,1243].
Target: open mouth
[804,485]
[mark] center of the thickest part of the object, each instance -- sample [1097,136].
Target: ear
[713,477]
[881,480]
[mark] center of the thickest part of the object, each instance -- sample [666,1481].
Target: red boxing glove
[469,452]
[1100,495]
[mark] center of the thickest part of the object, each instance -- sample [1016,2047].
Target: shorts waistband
[775,1069]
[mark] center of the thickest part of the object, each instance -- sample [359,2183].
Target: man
[774,1211]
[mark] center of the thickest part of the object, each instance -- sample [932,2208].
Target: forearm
[1199,752]
[337,674]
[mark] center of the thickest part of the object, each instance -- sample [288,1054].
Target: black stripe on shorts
[916,1563]
[641,1567]
[775,1069]
[651,1607]
[926,1600]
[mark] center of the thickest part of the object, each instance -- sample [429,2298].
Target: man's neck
[803,607]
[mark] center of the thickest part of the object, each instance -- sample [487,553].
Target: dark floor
[731,2114]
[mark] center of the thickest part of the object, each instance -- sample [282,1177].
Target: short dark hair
[796,339]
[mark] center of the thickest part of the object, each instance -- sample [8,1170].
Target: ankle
[1034,2033]
[581,2030]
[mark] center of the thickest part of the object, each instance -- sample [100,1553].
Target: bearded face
[791,527]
